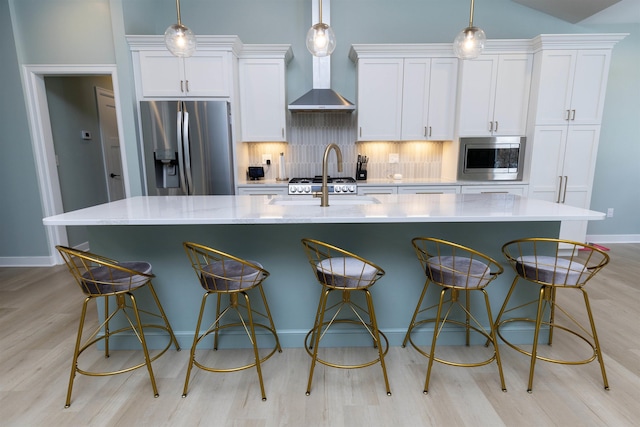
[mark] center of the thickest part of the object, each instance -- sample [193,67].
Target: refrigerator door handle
[187,152]
[183,185]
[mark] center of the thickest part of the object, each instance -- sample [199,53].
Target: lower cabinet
[429,189]
[365,191]
[263,191]
[520,190]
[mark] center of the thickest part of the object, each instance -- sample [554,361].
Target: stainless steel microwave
[491,158]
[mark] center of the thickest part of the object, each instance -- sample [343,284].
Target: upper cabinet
[405,92]
[263,108]
[429,98]
[494,94]
[572,86]
[208,73]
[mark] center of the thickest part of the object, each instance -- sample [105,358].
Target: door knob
[113,175]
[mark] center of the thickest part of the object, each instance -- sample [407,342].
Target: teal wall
[93,32]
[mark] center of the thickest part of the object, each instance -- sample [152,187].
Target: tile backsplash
[310,133]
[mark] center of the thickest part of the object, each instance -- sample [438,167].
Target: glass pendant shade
[469,43]
[180,40]
[321,40]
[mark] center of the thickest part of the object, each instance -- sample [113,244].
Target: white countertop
[395,208]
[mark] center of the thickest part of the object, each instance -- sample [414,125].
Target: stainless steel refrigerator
[187,147]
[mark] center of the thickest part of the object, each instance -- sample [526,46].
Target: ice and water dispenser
[167,169]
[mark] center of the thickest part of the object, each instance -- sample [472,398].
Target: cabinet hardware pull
[425,131]
[573,114]
[181,85]
[429,130]
[559,190]
[568,116]
[564,192]
[282,129]
[187,85]
[496,129]
[490,126]
[360,131]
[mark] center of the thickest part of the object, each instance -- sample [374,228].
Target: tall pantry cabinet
[567,99]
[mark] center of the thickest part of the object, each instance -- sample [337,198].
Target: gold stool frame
[432,253]
[331,281]
[202,256]
[120,283]
[573,273]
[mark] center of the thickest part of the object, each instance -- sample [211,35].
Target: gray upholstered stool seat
[346,272]
[550,269]
[107,279]
[459,272]
[230,275]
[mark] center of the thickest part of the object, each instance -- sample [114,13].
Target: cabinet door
[429,189]
[442,98]
[477,90]
[415,99]
[572,86]
[161,74]
[262,99]
[364,191]
[379,99]
[579,164]
[207,74]
[512,94]
[589,86]
[547,157]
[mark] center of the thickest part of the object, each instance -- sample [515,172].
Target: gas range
[337,185]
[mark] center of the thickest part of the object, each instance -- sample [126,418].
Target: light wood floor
[39,309]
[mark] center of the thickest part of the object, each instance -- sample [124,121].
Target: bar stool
[98,277]
[344,272]
[222,274]
[553,264]
[457,270]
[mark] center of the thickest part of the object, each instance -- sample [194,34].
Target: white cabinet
[428,98]
[405,92]
[428,189]
[520,190]
[494,95]
[203,74]
[263,190]
[379,102]
[263,100]
[571,87]
[373,190]
[562,169]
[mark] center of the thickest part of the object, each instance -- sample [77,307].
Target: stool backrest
[337,268]
[98,275]
[556,262]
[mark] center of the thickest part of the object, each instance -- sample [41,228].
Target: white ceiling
[589,11]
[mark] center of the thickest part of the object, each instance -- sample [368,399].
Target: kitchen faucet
[324,200]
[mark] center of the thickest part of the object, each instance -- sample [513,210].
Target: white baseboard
[613,238]
[44,261]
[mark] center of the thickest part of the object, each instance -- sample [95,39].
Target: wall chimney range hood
[321,98]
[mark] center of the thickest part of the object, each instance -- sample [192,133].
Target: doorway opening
[40,121]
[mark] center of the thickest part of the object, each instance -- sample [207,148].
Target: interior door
[110,143]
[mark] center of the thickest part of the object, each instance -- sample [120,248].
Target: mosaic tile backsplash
[310,133]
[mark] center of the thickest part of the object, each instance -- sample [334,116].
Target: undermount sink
[335,200]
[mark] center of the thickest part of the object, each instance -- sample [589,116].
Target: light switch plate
[394,158]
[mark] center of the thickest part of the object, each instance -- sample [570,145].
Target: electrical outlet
[266,159]
[394,158]
[609,212]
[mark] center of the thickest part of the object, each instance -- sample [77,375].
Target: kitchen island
[268,229]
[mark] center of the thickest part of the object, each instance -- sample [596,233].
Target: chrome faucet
[324,200]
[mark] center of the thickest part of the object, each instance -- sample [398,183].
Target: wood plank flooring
[39,309]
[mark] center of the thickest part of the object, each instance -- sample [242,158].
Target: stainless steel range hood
[321,98]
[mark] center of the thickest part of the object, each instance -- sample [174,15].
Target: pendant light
[469,43]
[321,40]
[179,39]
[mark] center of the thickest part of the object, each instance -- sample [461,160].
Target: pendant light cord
[470,15]
[178,11]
